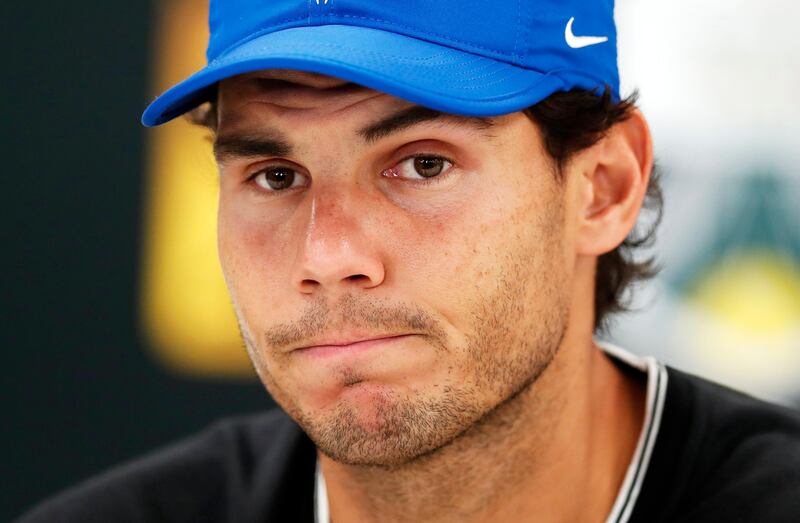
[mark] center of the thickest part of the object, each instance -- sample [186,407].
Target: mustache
[351,313]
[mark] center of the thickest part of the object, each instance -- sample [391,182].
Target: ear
[613,182]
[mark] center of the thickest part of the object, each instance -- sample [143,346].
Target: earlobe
[615,178]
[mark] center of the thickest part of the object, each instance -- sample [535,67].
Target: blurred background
[116,327]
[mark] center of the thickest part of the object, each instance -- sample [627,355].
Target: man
[425,215]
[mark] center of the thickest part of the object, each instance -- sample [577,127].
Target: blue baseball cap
[467,57]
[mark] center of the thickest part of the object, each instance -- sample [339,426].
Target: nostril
[356,278]
[309,283]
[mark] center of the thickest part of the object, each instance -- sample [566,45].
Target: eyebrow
[231,146]
[415,115]
[271,142]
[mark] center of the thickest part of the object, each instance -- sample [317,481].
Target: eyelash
[419,182]
[251,179]
[427,181]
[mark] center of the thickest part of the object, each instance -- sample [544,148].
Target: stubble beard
[514,340]
[500,362]
[407,430]
[501,365]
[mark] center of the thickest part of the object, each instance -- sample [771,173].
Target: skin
[490,402]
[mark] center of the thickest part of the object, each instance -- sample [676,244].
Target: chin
[376,426]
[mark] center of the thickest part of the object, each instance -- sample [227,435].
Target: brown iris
[279,178]
[428,166]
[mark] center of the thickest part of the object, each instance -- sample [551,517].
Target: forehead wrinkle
[295,94]
[273,110]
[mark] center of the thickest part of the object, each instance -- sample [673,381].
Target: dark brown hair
[571,122]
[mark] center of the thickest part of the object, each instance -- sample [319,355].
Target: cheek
[251,258]
[436,266]
[508,235]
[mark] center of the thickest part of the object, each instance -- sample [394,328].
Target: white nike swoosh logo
[577,42]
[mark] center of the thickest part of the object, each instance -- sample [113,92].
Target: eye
[419,167]
[278,178]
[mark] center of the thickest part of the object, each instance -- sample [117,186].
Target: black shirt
[706,453]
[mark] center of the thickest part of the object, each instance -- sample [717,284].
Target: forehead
[301,101]
[284,90]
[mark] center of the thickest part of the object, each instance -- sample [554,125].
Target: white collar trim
[654,408]
[321,506]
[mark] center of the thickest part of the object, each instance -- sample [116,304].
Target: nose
[337,252]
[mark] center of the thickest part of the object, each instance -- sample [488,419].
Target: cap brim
[419,71]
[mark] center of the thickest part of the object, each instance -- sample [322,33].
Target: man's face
[347,214]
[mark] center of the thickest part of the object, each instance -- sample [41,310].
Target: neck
[572,431]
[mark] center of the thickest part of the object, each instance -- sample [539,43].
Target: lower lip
[328,351]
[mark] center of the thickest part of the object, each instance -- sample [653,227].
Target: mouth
[325,349]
